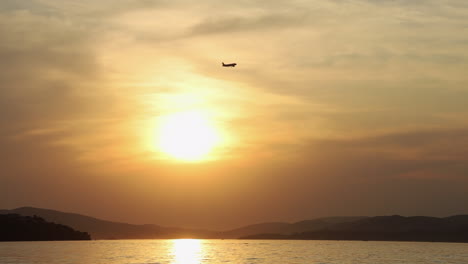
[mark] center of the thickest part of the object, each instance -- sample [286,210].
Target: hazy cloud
[242,24]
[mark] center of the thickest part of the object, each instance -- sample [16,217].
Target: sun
[187,136]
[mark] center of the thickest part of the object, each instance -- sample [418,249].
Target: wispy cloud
[224,25]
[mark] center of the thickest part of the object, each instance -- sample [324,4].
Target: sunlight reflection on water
[193,251]
[187,251]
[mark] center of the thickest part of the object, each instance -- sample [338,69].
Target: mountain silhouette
[387,228]
[102,229]
[14,227]
[288,228]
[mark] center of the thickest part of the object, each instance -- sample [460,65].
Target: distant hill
[387,228]
[101,229]
[14,227]
[288,228]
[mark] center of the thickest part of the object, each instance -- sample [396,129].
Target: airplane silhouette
[229,64]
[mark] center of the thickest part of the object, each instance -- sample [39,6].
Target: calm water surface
[187,251]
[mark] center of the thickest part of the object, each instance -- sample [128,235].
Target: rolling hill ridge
[392,228]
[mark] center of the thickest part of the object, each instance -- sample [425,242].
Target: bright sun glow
[188,136]
[187,251]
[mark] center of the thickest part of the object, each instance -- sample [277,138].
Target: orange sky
[335,108]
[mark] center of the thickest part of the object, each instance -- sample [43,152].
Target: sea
[195,251]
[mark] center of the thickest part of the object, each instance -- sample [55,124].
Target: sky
[340,107]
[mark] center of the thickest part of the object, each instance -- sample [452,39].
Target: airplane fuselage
[229,64]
